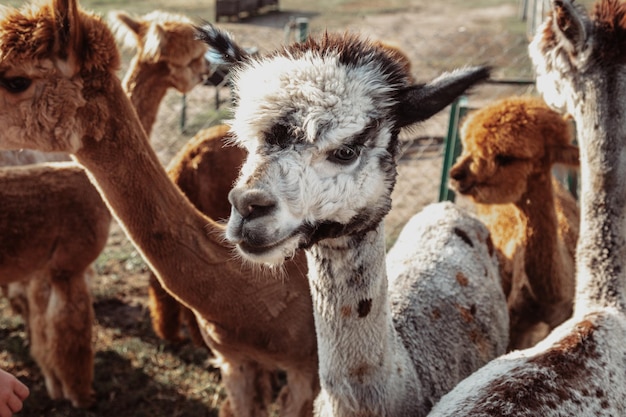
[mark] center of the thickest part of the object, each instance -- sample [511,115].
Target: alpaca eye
[344,155]
[504,160]
[15,85]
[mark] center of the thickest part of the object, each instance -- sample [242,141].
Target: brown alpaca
[53,345]
[509,149]
[168,55]
[44,265]
[59,92]
[204,170]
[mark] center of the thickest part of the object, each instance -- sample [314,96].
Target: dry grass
[136,374]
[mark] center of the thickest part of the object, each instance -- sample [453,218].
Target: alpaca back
[445,287]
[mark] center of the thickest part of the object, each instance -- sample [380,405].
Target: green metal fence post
[452,147]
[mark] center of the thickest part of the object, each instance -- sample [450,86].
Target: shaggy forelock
[323,91]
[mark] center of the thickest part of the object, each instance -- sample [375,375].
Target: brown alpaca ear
[157,44]
[565,154]
[130,23]
[68,44]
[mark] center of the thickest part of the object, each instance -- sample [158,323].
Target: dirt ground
[137,374]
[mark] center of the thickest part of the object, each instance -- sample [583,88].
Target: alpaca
[55,347]
[59,92]
[509,148]
[320,121]
[578,369]
[44,268]
[168,55]
[204,170]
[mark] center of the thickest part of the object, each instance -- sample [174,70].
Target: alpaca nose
[458,173]
[251,204]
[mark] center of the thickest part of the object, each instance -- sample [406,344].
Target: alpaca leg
[38,293]
[165,311]
[296,397]
[249,389]
[16,293]
[64,316]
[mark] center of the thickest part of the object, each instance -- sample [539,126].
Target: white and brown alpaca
[168,55]
[205,171]
[578,370]
[320,121]
[509,149]
[53,226]
[59,92]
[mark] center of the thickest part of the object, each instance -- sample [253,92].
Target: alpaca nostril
[251,203]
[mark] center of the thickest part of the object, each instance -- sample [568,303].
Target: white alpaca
[578,370]
[320,121]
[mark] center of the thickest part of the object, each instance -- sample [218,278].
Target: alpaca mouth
[463,188]
[273,253]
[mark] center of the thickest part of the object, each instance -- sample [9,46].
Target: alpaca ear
[565,154]
[221,42]
[126,29]
[570,25]
[68,45]
[156,42]
[130,23]
[419,102]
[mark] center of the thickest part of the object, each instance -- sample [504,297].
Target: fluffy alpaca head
[570,42]
[45,54]
[320,121]
[508,143]
[167,40]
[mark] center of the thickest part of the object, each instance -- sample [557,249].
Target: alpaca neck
[146,87]
[543,257]
[174,237]
[360,353]
[601,250]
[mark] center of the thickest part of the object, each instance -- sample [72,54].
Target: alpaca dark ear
[221,42]
[419,102]
[69,35]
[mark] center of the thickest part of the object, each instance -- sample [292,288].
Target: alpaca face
[185,75]
[508,145]
[183,55]
[41,86]
[164,42]
[321,153]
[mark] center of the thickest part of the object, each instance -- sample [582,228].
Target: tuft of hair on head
[222,42]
